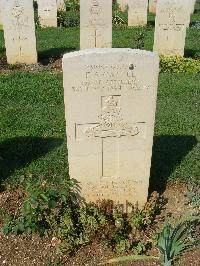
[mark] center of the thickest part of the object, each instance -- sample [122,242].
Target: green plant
[37,21]
[49,262]
[139,248]
[43,200]
[117,234]
[68,19]
[139,40]
[179,64]
[78,226]
[136,219]
[72,5]
[172,241]
[117,20]
[8,223]
[141,218]
[193,193]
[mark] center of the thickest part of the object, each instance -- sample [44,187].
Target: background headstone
[193,2]
[19,31]
[47,13]
[110,103]
[170,27]
[137,12]
[95,24]
[122,4]
[152,6]
[61,5]
[190,11]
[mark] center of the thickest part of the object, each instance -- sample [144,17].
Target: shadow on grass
[151,24]
[191,53]
[168,152]
[16,153]
[2,50]
[50,55]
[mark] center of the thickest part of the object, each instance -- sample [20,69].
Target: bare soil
[53,65]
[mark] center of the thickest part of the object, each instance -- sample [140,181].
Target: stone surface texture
[1,12]
[19,31]
[170,27]
[137,12]
[152,6]
[123,4]
[95,24]
[47,13]
[110,104]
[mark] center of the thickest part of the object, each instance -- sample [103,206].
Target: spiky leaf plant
[172,241]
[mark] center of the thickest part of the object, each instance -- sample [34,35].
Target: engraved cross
[96,35]
[19,40]
[110,129]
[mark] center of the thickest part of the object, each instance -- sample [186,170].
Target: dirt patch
[36,251]
[11,201]
[54,65]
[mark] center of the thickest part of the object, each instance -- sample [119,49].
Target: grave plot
[93,138]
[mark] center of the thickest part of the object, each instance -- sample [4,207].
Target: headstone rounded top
[110,51]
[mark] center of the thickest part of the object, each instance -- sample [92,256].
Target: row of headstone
[95,25]
[123,4]
[47,11]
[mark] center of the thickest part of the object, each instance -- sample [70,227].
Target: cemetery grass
[33,127]
[33,147]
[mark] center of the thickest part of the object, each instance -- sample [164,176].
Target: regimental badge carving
[111,123]
[172,17]
[96,7]
[17,9]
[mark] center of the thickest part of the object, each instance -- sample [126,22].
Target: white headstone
[123,4]
[61,5]
[170,27]
[110,103]
[152,6]
[190,11]
[96,24]
[137,12]
[1,13]
[193,2]
[19,31]
[47,13]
